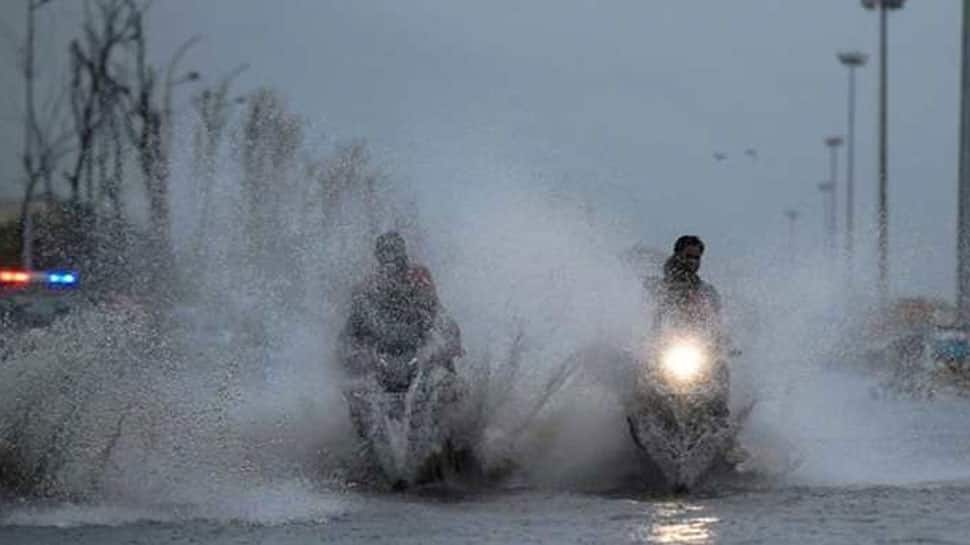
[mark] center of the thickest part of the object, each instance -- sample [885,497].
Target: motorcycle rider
[683,297]
[686,301]
[396,333]
[394,310]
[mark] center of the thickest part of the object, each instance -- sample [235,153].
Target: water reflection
[679,523]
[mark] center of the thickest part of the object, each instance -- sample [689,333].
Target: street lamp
[882,218]
[886,4]
[852,60]
[828,186]
[833,143]
[963,188]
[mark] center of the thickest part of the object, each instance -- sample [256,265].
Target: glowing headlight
[683,361]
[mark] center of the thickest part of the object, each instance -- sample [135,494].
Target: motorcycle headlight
[683,362]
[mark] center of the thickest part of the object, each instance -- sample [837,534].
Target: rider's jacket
[686,301]
[393,313]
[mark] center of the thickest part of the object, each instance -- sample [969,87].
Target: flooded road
[928,513]
[869,470]
[191,467]
[895,472]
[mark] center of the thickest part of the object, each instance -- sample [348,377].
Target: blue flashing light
[62,278]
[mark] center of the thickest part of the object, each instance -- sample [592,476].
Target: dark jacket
[398,317]
[684,300]
[393,314]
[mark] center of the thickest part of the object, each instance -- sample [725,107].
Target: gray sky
[623,102]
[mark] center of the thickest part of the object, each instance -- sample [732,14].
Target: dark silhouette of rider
[687,302]
[394,310]
[684,299]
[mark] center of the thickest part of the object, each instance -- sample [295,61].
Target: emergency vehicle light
[14,277]
[62,278]
[55,278]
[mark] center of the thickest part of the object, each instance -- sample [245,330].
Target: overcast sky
[623,102]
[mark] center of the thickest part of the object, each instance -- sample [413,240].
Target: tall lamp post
[828,187]
[884,6]
[852,60]
[833,143]
[963,199]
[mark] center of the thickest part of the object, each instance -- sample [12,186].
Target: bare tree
[151,123]
[347,204]
[43,148]
[96,94]
[271,138]
[120,106]
[347,175]
[120,115]
[213,107]
[145,124]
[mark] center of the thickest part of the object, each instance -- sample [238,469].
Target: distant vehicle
[31,299]
[16,279]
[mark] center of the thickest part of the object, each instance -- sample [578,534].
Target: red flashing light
[14,277]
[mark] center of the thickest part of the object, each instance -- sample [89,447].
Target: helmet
[390,249]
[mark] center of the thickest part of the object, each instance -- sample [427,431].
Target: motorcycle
[679,418]
[407,408]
